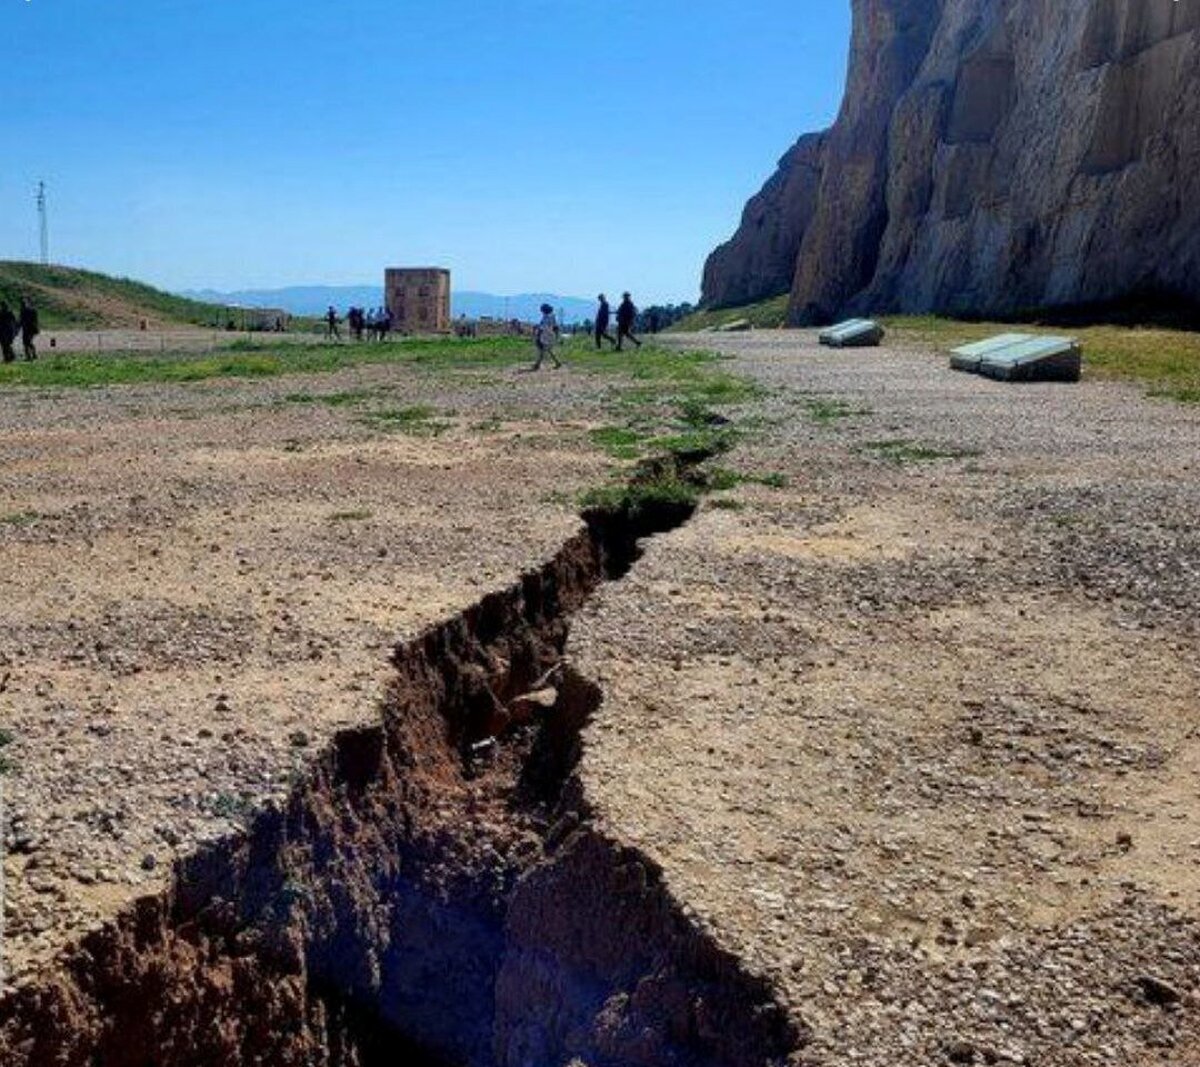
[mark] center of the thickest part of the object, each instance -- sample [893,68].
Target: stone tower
[418,298]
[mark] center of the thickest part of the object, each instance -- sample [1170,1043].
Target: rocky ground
[918,734]
[908,717]
[201,583]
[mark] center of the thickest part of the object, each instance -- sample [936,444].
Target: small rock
[1158,991]
[526,706]
[960,1052]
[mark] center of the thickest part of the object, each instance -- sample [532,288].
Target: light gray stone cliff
[990,156]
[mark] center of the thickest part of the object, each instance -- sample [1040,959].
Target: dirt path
[919,734]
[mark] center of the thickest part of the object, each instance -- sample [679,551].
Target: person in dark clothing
[603,315]
[30,328]
[331,325]
[8,332]
[626,317]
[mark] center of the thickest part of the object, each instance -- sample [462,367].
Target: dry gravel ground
[199,584]
[918,735]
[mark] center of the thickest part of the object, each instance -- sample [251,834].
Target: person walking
[603,317]
[331,324]
[545,336]
[30,328]
[8,331]
[626,317]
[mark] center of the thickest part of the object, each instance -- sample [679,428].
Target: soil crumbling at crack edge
[435,890]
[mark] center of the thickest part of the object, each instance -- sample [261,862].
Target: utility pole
[43,225]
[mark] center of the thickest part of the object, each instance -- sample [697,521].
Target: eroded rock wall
[994,156]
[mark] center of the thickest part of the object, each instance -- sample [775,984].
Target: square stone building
[418,298]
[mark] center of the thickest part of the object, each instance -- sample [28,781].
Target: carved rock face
[991,157]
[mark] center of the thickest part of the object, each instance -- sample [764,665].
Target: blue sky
[526,144]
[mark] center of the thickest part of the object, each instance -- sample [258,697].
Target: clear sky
[526,144]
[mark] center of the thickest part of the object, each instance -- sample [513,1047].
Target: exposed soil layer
[433,890]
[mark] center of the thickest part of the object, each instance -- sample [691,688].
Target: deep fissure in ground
[433,892]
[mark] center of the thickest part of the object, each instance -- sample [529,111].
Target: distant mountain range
[315,299]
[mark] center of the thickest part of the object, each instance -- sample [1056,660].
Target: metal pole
[43,225]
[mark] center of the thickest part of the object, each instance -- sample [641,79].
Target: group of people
[374,324]
[24,323]
[548,332]
[626,317]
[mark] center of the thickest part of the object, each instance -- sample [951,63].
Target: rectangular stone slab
[969,357]
[854,333]
[825,335]
[1040,359]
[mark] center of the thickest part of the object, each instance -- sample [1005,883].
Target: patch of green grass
[642,495]
[1185,394]
[698,430]
[722,479]
[417,420]
[19,518]
[674,413]
[773,480]
[661,375]
[694,411]
[830,409]
[903,451]
[352,397]
[695,442]
[723,388]
[262,359]
[620,442]
[725,504]
[360,515]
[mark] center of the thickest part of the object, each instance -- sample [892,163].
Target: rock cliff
[990,156]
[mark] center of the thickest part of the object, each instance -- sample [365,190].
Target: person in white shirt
[545,336]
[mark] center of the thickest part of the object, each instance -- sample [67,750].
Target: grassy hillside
[765,315]
[67,298]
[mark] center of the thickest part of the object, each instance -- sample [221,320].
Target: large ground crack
[434,891]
